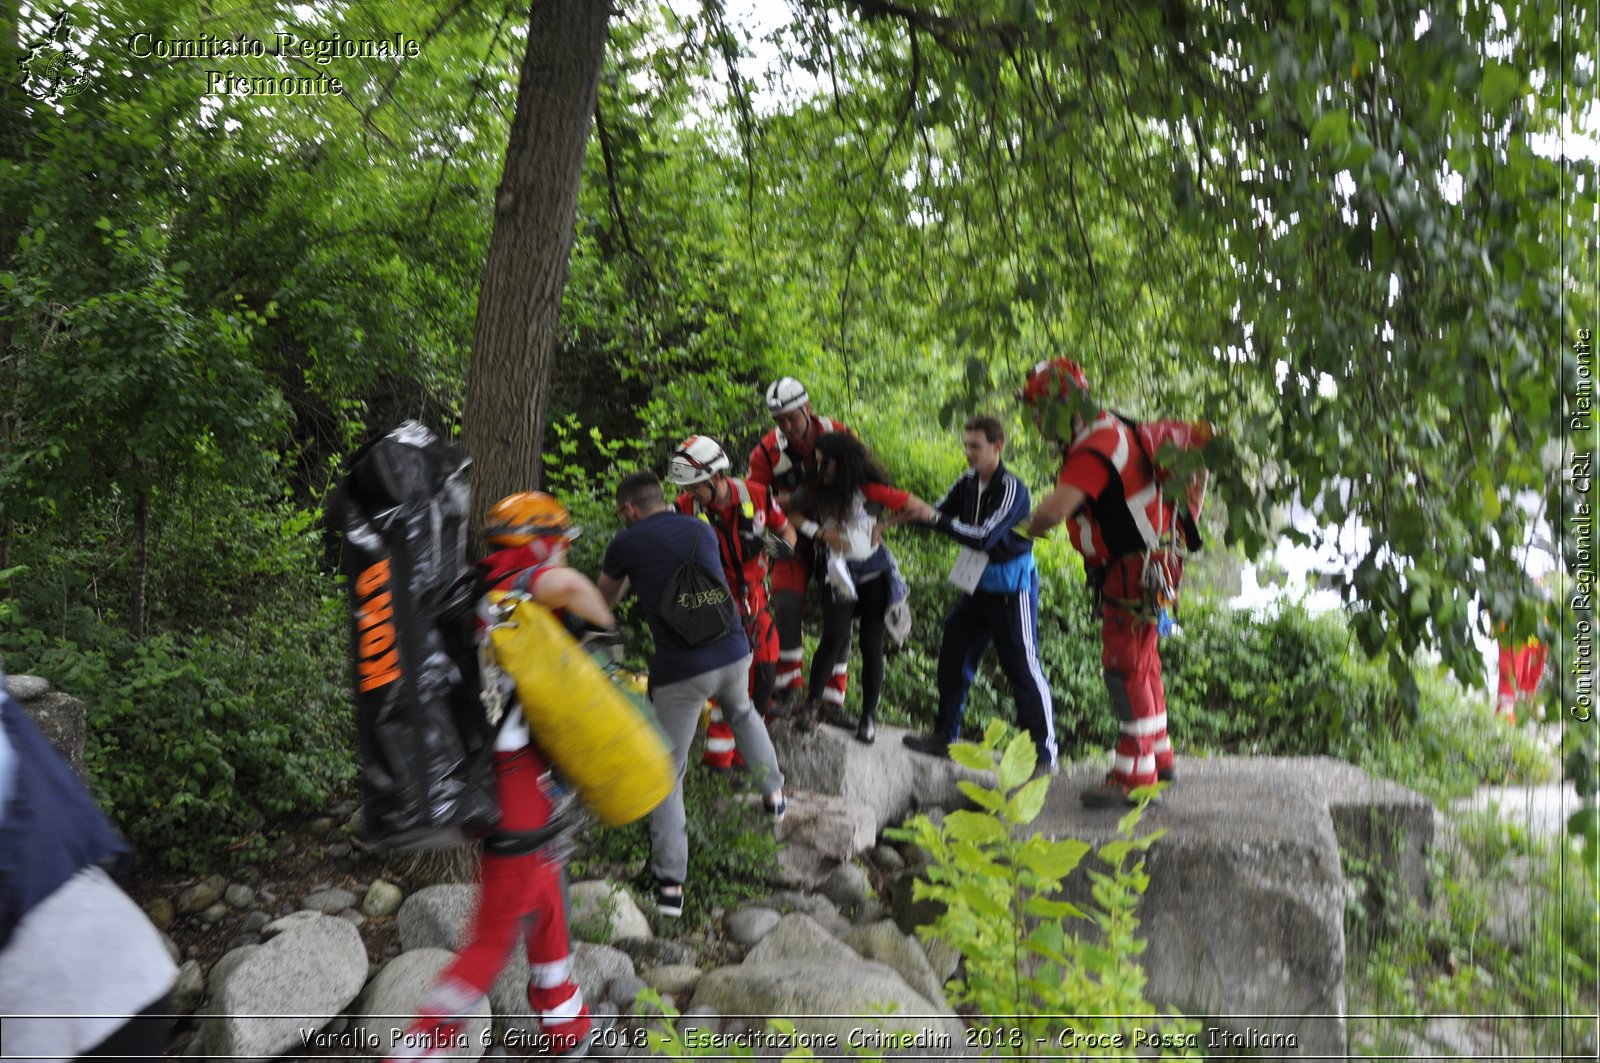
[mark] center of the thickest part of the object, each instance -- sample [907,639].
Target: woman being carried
[858,573]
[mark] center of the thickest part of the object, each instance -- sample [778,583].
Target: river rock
[396,992]
[382,899]
[294,983]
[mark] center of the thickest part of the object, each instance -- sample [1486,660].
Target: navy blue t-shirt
[648,554]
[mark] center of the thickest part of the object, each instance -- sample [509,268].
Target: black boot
[808,717]
[866,730]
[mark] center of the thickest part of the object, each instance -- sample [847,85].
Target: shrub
[234,712]
[1025,966]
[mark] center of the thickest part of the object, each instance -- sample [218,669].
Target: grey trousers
[678,707]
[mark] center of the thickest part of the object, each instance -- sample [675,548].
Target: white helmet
[696,460]
[787,394]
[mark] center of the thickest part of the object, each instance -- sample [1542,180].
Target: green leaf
[1025,805]
[970,756]
[977,827]
[1501,84]
[1052,860]
[1018,762]
[982,796]
[1332,130]
[980,901]
[1042,908]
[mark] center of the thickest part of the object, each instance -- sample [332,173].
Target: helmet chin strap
[548,549]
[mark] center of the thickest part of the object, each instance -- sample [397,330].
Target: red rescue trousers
[1521,669]
[1132,666]
[789,582]
[520,898]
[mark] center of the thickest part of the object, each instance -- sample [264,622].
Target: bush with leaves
[1512,937]
[1025,966]
[235,711]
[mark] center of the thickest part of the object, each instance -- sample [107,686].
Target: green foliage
[1479,950]
[235,712]
[1581,760]
[1335,231]
[1000,886]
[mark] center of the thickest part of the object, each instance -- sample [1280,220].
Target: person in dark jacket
[82,971]
[1000,603]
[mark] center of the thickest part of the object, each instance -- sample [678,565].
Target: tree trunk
[508,382]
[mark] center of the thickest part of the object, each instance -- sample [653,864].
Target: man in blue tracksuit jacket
[981,512]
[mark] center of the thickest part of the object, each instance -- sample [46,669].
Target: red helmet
[1054,378]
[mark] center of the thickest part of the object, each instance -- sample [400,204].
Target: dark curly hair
[857,466]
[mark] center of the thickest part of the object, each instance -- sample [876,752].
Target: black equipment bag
[424,740]
[696,605]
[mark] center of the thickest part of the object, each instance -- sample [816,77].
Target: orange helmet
[519,519]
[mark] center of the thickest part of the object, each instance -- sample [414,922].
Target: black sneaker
[776,809]
[932,745]
[1109,794]
[834,715]
[1167,775]
[670,905]
[807,717]
[866,730]
[784,704]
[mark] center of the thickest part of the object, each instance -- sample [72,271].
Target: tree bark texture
[513,350]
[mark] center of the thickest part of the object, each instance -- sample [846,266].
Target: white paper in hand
[968,569]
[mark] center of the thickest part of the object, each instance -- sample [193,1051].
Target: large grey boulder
[1244,915]
[799,937]
[59,716]
[276,995]
[886,778]
[1388,827]
[27,687]
[803,973]
[655,952]
[883,941]
[846,886]
[827,1000]
[437,917]
[596,967]
[749,925]
[606,911]
[188,989]
[390,1003]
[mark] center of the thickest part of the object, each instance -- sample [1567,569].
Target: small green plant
[1000,886]
[1512,932]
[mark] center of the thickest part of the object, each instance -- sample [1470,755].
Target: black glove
[778,548]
